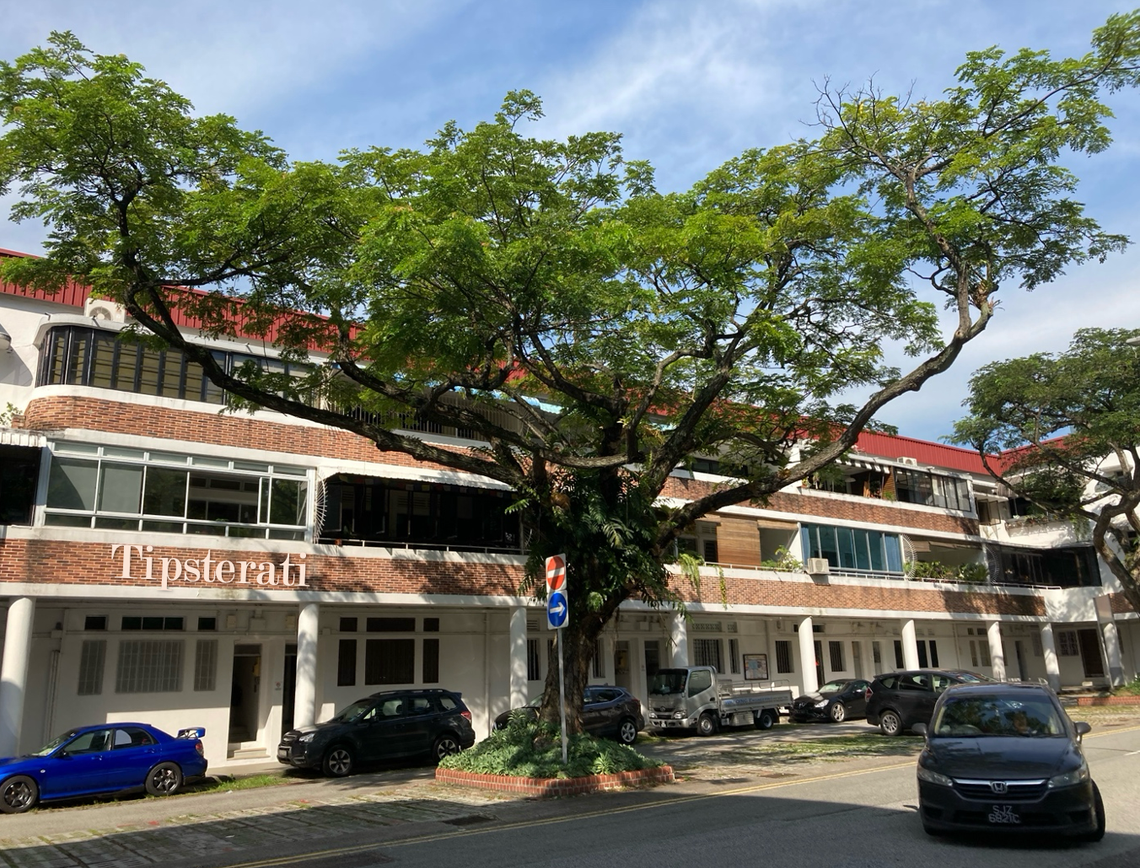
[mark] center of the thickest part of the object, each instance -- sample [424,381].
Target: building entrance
[245,695]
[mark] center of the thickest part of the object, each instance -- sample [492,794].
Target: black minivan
[898,700]
[389,725]
[1006,758]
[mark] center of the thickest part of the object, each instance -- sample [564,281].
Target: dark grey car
[389,725]
[898,700]
[607,710]
[1006,758]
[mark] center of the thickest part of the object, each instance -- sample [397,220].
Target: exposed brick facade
[219,429]
[75,563]
[864,510]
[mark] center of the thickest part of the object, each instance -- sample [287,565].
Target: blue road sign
[557,610]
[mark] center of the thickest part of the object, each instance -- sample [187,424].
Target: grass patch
[529,749]
[1132,688]
[226,783]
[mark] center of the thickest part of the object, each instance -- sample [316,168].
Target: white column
[1111,638]
[1052,664]
[909,645]
[1112,652]
[14,673]
[807,656]
[607,647]
[638,685]
[997,651]
[679,640]
[308,635]
[518,669]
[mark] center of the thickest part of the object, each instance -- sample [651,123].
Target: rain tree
[592,332]
[1068,425]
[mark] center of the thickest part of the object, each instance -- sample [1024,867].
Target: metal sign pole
[562,693]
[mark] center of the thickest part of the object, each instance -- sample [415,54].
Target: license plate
[1003,815]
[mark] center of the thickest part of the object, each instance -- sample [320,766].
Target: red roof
[923,451]
[75,295]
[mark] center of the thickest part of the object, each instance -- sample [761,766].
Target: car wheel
[706,725]
[445,745]
[766,719]
[338,761]
[18,794]
[627,731]
[1098,809]
[165,779]
[890,723]
[838,712]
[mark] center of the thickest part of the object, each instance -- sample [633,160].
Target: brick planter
[550,787]
[1108,700]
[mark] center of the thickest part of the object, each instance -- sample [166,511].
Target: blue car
[103,758]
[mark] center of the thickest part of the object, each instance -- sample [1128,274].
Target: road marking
[550,821]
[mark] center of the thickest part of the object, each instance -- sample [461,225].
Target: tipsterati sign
[138,563]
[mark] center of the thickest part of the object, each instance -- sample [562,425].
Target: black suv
[898,700]
[389,725]
[606,710]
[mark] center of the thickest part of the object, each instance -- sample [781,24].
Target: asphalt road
[733,806]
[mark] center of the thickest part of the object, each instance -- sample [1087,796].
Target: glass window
[431,661]
[91,657]
[149,666]
[389,661]
[346,663]
[71,484]
[784,656]
[205,664]
[120,487]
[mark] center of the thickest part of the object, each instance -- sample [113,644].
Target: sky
[689,84]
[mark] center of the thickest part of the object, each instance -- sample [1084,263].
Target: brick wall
[218,429]
[76,563]
[808,506]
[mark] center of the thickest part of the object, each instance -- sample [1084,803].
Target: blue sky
[689,84]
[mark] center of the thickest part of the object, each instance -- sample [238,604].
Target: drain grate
[470,820]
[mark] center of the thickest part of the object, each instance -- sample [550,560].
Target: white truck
[697,697]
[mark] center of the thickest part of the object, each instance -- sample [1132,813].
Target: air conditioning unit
[906,459]
[101,308]
[818,566]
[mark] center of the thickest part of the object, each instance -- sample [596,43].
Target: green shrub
[529,749]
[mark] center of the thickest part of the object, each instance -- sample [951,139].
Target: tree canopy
[1069,425]
[594,332]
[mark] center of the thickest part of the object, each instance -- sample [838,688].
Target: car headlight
[307,736]
[931,777]
[1068,779]
[678,715]
[822,703]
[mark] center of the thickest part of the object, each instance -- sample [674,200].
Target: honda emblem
[999,787]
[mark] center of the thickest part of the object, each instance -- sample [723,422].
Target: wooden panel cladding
[738,541]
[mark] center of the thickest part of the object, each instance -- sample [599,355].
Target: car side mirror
[1082,728]
[919,728]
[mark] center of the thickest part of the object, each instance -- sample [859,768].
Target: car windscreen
[53,744]
[668,681]
[354,712]
[833,687]
[986,716]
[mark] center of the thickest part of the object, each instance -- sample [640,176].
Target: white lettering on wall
[168,570]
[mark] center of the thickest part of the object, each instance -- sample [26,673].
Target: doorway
[245,692]
[819,679]
[621,664]
[288,687]
[1089,641]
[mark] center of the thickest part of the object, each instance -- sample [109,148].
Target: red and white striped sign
[555,572]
